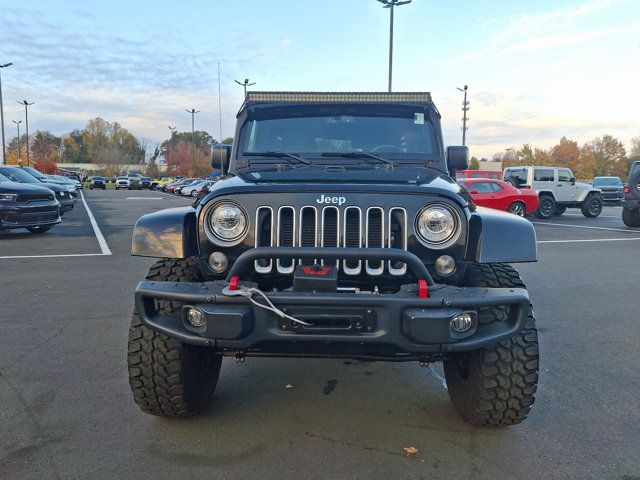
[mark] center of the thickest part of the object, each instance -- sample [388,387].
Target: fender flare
[583,195]
[501,237]
[169,233]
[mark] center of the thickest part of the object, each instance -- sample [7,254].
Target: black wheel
[559,210]
[592,206]
[546,207]
[40,229]
[167,377]
[495,385]
[517,208]
[631,218]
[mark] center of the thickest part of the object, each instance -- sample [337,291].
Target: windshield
[607,182]
[35,173]
[4,179]
[401,132]
[18,175]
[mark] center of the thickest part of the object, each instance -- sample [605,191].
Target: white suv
[557,189]
[123,182]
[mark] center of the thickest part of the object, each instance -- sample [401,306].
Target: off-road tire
[631,218]
[546,207]
[560,209]
[167,377]
[592,206]
[495,385]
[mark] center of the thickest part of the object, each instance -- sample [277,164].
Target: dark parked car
[336,231]
[98,182]
[27,206]
[63,194]
[612,188]
[631,202]
[145,182]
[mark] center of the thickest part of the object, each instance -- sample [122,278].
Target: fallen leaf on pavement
[410,450]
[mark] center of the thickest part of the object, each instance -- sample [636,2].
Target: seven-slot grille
[330,226]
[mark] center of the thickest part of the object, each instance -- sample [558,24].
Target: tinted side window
[495,176]
[494,186]
[481,187]
[477,175]
[564,176]
[543,175]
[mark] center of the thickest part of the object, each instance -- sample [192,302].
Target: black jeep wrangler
[631,200]
[336,232]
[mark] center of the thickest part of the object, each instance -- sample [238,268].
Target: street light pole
[26,118]
[193,112]
[244,84]
[390,4]
[465,109]
[4,151]
[173,129]
[19,146]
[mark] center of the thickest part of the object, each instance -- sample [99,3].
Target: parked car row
[541,190]
[184,186]
[32,200]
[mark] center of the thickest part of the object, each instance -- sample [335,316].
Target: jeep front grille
[331,226]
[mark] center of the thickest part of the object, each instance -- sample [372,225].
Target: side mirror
[573,180]
[457,159]
[220,156]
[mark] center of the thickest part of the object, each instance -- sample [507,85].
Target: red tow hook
[422,289]
[233,284]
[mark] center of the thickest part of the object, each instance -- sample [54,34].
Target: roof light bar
[339,97]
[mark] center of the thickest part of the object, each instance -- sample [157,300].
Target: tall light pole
[26,125]
[4,151]
[244,84]
[193,112]
[465,109]
[19,146]
[173,129]
[390,4]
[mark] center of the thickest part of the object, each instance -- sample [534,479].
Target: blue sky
[536,70]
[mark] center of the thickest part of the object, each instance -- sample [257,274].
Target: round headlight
[438,226]
[228,223]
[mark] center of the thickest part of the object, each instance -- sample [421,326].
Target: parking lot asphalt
[66,411]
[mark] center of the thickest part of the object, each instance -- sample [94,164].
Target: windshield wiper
[357,155]
[277,155]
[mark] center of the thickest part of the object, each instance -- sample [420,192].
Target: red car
[501,195]
[492,174]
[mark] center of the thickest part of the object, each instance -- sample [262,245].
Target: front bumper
[29,215]
[612,195]
[66,203]
[399,325]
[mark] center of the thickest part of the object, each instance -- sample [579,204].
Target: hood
[55,187]
[15,187]
[413,175]
[586,186]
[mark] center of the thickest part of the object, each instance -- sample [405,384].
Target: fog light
[463,322]
[445,265]
[196,318]
[218,262]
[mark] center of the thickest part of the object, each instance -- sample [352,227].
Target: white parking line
[60,255]
[101,241]
[590,240]
[144,198]
[580,215]
[630,230]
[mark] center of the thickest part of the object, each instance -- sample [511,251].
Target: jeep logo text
[332,200]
